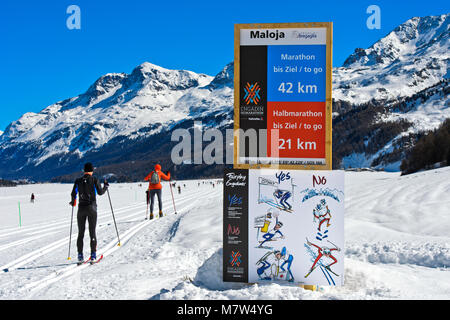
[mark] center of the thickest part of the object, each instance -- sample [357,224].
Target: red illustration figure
[322,213]
[323,251]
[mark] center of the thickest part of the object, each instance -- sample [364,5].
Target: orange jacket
[161,176]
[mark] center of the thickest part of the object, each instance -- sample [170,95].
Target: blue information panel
[296,73]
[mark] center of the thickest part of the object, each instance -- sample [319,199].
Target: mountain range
[384,98]
[397,89]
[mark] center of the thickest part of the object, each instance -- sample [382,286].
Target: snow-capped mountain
[115,105]
[117,109]
[411,58]
[384,97]
[402,81]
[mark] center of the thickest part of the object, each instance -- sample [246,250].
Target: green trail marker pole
[20,217]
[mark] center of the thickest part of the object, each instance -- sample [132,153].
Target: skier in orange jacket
[155,187]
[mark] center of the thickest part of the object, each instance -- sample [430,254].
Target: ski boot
[160,214]
[151,216]
[80,258]
[93,257]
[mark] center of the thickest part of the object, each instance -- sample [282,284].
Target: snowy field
[396,231]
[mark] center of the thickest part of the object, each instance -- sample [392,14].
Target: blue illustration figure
[262,269]
[283,196]
[289,263]
[267,261]
[276,229]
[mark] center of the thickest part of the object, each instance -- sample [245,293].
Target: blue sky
[42,61]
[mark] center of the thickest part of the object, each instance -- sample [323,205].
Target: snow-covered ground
[397,243]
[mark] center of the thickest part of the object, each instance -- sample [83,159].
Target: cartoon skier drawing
[270,236]
[283,196]
[270,192]
[268,227]
[266,262]
[270,266]
[322,213]
[323,252]
[263,222]
[288,258]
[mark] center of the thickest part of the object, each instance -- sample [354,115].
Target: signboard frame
[328,96]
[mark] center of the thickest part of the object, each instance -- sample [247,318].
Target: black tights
[152,198]
[89,213]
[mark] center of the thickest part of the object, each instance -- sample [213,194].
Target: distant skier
[32,198]
[179,190]
[155,187]
[87,187]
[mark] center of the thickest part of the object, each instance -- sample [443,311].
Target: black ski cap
[88,167]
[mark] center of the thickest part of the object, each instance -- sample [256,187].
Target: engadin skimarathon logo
[235,259]
[252,93]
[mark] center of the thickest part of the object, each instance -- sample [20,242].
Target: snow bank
[430,255]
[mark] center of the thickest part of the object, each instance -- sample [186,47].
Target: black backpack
[85,185]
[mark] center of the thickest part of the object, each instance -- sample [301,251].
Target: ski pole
[70,235]
[173,201]
[112,211]
[147,200]
[333,244]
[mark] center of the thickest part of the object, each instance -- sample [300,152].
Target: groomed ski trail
[34,287]
[27,258]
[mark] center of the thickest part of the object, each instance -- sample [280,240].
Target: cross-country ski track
[396,243]
[38,267]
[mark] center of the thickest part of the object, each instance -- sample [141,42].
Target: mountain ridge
[398,87]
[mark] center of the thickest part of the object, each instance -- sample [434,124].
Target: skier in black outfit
[87,187]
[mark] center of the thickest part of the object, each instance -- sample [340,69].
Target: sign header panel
[283,36]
